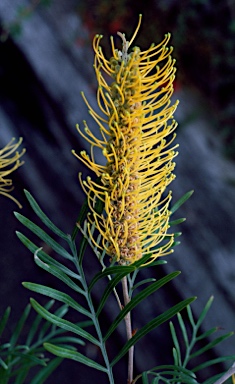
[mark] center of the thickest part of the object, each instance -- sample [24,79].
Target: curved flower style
[136,128]
[9,162]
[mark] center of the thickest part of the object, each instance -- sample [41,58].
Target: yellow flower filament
[9,162]
[137,148]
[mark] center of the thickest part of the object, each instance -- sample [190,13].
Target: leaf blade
[57,273]
[45,372]
[150,326]
[62,323]
[110,287]
[108,272]
[74,355]
[43,236]
[44,256]
[44,218]
[57,295]
[181,201]
[138,298]
[4,319]
[19,326]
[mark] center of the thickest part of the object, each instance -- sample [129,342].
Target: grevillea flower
[136,125]
[9,162]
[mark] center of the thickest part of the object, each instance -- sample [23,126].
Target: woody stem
[128,330]
[227,375]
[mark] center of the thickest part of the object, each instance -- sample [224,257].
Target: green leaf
[69,354]
[175,356]
[204,312]
[183,329]
[211,345]
[109,289]
[34,327]
[62,323]
[43,236]
[45,372]
[176,343]
[138,298]
[177,234]
[45,257]
[181,201]
[110,271]
[60,312]
[213,362]
[175,243]
[176,222]
[66,340]
[153,264]
[44,217]
[181,372]
[82,248]
[3,364]
[81,217]
[29,358]
[4,319]
[57,273]
[145,281]
[145,378]
[207,333]
[19,326]
[150,326]
[22,374]
[190,316]
[57,295]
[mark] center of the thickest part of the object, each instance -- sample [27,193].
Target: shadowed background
[45,61]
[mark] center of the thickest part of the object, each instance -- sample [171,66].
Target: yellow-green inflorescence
[10,160]
[137,133]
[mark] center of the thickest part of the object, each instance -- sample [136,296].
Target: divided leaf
[152,325]
[111,271]
[43,236]
[44,217]
[65,324]
[57,273]
[138,298]
[45,372]
[45,257]
[57,295]
[74,355]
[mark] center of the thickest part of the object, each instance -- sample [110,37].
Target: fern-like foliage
[19,355]
[187,347]
[71,272]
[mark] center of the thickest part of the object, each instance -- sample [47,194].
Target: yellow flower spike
[137,129]
[9,162]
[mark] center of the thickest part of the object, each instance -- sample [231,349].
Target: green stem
[190,347]
[128,330]
[102,344]
[94,319]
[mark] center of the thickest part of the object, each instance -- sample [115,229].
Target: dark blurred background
[45,61]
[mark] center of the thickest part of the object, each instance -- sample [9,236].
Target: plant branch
[93,314]
[128,330]
[227,375]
